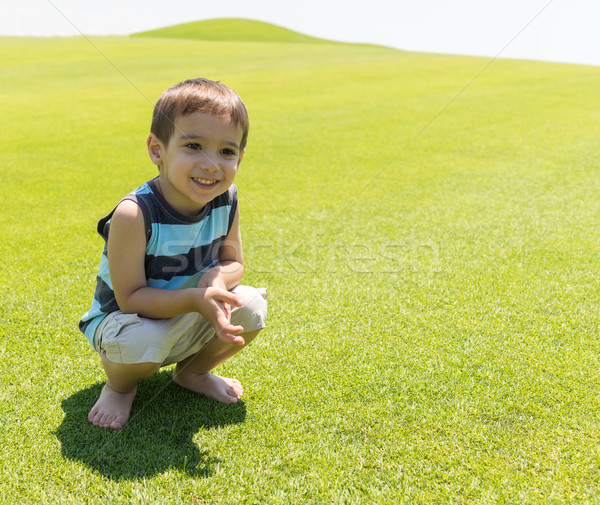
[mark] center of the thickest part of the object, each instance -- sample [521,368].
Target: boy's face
[200,161]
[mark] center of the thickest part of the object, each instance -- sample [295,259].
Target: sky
[550,30]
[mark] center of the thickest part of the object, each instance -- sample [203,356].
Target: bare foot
[218,388]
[112,408]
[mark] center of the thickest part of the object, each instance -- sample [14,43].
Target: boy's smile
[200,161]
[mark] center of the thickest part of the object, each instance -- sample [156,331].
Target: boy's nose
[208,162]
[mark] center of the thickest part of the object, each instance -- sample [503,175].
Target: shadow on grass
[157,437]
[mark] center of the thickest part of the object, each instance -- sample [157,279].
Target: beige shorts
[128,338]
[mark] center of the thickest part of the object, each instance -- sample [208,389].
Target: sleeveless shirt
[179,248]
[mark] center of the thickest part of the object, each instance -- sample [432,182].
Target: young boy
[169,288]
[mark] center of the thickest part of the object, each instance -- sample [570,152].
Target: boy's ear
[154,148]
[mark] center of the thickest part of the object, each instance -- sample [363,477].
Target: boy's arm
[230,270]
[126,251]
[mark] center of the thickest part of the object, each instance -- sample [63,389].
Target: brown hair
[198,95]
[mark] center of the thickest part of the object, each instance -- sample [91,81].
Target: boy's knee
[252,315]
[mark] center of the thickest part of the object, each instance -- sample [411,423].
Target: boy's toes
[233,384]
[96,417]
[102,420]
[231,388]
[92,416]
[233,394]
[116,424]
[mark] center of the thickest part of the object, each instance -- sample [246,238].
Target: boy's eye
[193,146]
[228,152]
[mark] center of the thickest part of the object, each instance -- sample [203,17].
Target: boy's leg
[193,373]
[132,348]
[113,407]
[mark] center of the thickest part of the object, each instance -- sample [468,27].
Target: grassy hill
[232,29]
[430,245]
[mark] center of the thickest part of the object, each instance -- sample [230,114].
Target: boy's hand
[211,279]
[215,303]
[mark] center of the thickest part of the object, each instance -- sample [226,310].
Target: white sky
[553,30]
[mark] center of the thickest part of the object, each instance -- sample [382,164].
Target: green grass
[231,29]
[433,326]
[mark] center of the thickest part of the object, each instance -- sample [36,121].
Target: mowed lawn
[428,233]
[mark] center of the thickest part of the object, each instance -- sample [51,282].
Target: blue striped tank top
[179,248]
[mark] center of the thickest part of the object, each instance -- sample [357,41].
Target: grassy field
[232,29]
[431,248]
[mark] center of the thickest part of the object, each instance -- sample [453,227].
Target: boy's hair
[198,95]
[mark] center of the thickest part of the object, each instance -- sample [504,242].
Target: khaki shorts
[128,338]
